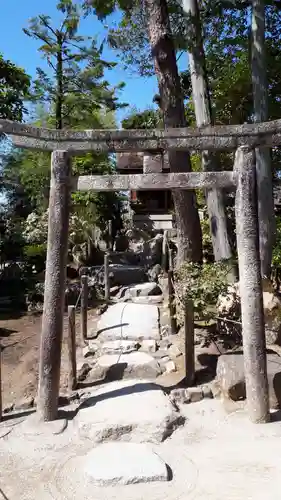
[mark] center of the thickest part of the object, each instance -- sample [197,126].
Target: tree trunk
[163,52]
[263,160]
[203,113]
[59,78]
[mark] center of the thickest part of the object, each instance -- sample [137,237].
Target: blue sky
[23,51]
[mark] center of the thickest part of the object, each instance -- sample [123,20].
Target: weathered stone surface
[231,378]
[110,464]
[174,352]
[170,367]
[117,347]
[82,371]
[155,272]
[25,403]
[152,300]
[133,410]
[88,351]
[229,307]
[129,322]
[126,275]
[145,290]
[148,345]
[134,365]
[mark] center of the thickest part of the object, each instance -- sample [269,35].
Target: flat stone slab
[129,322]
[133,365]
[114,346]
[111,464]
[130,410]
[151,299]
[145,290]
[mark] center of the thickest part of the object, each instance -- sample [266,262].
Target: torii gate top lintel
[223,137]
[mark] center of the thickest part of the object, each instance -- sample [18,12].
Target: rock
[190,395]
[166,330]
[153,250]
[156,299]
[88,351]
[133,365]
[25,403]
[118,346]
[111,464]
[180,396]
[195,394]
[148,346]
[207,392]
[229,306]
[126,274]
[170,367]
[137,410]
[145,290]
[114,290]
[101,309]
[154,272]
[82,371]
[174,352]
[9,408]
[231,378]
[129,322]
[165,343]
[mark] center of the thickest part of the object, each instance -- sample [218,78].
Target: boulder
[126,274]
[141,291]
[229,306]
[231,378]
[114,346]
[132,365]
[132,410]
[129,322]
[148,345]
[145,290]
[154,272]
[111,464]
[153,299]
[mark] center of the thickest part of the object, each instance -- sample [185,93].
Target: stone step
[133,365]
[112,464]
[127,321]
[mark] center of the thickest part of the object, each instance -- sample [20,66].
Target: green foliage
[149,118]
[14,89]
[203,284]
[276,257]
[35,256]
[76,85]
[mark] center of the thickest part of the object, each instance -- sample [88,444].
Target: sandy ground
[216,455]
[20,340]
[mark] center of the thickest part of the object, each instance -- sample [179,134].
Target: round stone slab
[124,463]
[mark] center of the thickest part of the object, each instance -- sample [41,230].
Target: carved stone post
[54,296]
[246,211]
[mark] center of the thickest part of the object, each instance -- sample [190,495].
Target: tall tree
[263,160]
[14,89]
[77,66]
[163,52]
[204,116]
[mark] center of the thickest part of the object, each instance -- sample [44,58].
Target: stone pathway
[214,455]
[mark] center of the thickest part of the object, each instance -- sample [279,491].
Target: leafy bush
[35,256]
[203,284]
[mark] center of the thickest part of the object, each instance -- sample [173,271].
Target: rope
[121,319]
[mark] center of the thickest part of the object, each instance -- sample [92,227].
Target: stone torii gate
[66,143]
